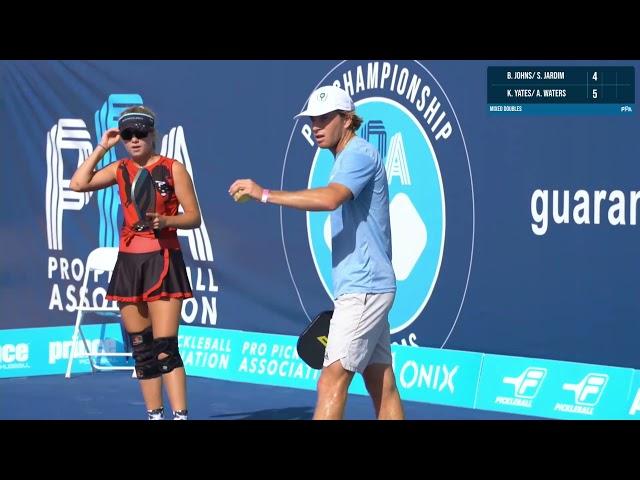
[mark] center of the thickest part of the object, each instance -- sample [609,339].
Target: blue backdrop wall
[513,234]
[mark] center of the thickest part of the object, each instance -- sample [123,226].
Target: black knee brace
[142,346]
[171,358]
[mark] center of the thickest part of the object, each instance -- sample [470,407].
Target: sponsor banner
[245,356]
[423,374]
[433,375]
[553,389]
[45,351]
[526,386]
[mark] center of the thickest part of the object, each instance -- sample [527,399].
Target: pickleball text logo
[525,387]
[586,394]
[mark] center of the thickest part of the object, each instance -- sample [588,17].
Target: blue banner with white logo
[526,386]
[554,389]
[25,352]
[512,234]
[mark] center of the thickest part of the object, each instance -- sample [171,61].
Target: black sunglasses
[128,134]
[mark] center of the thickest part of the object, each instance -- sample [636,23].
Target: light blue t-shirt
[360,227]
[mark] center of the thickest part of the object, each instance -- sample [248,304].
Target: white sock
[157,414]
[180,414]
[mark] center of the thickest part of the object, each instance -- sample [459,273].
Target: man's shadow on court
[289,413]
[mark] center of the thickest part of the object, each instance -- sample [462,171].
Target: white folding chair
[100,259]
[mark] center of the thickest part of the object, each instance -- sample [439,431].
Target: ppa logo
[69,143]
[72,138]
[408,117]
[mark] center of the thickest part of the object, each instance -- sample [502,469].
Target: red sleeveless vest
[166,203]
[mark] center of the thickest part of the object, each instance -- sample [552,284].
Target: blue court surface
[116,396]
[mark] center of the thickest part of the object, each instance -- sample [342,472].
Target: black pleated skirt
[145,277]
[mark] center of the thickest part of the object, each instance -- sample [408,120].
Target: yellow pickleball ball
[241,198]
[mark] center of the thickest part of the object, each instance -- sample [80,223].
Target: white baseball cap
[327,99]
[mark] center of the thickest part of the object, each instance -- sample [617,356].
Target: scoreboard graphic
[561,90]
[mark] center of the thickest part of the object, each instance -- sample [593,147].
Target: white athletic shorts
[359,333]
